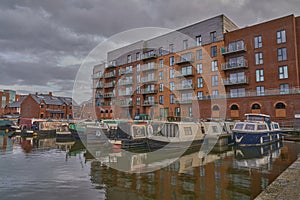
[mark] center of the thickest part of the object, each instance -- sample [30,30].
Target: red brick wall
[30,108]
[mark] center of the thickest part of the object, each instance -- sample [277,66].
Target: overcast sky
[43,42]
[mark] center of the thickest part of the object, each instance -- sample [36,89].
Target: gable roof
[51,100]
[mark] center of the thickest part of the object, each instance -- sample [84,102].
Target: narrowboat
[257,130]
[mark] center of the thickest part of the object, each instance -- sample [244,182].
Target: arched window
[111,111]
[280,106]
[215,107]
[102,111]
[255,106]
[106,111]
[234,107]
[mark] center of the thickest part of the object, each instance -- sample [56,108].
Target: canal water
[52,168]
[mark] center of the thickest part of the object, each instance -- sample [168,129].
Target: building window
[282,54]
[199,82]
[172,61]
[284,88]
[171,48]
[42,105]
[138,56]
[172,98]
[255,106]
[215,93]
[280,106]
[129,59]
[138,90]
[259,75]
[161,75]
[281,37]
[214,80]
[213,51]
[214,65]
[283,72]
[260,90]
[185,44]
[213,36]
[177,111]
[258,42]
[161,63]
[259,58]
[199,40]
[190,111]
[237,92]
[42,116]
[138,67]
[172,86]
[186,70]
[215,108]
[234,107]
[172,73]
[199,54]
[161,100]
[199,68]
[138,78]
[161,87]
[200,95]
[138,101]
[238,77]
[160,51]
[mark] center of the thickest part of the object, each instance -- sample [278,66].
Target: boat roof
[254,114]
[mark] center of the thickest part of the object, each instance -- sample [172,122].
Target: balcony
[147,91]
[180,75]
[109,95]
[110,74]
[185,101]
[125,72]
[147,56]
[231,66]
[184,61]
[109,85]
[121,93]
[184,87]
[126,104]
[111,64]
[149,79]
[125,82]
[107,103]
[99,85]
[148,68]
[96,76]
[238,48]
[149,103]
[239,81]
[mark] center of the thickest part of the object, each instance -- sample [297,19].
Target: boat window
[188,130]
[276,126]
[261,127]
[239,126]
[215,129]
[250,127]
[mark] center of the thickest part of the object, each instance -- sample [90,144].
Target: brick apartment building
[7,97]
[208,69]
[46,106]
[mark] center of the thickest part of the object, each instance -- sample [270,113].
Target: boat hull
[256,139]
[153,144]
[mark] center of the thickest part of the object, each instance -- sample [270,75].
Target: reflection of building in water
[5,143]
[214,177]
[65,146]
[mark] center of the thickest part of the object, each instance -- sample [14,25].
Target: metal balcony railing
[230,66]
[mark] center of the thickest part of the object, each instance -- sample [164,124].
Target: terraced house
[46,106]
[209,69]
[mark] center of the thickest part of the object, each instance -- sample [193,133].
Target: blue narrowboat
[256,130]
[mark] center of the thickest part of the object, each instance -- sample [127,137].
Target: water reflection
[225,173]
[222,174]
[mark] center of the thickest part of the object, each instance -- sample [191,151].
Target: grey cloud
[51,31]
